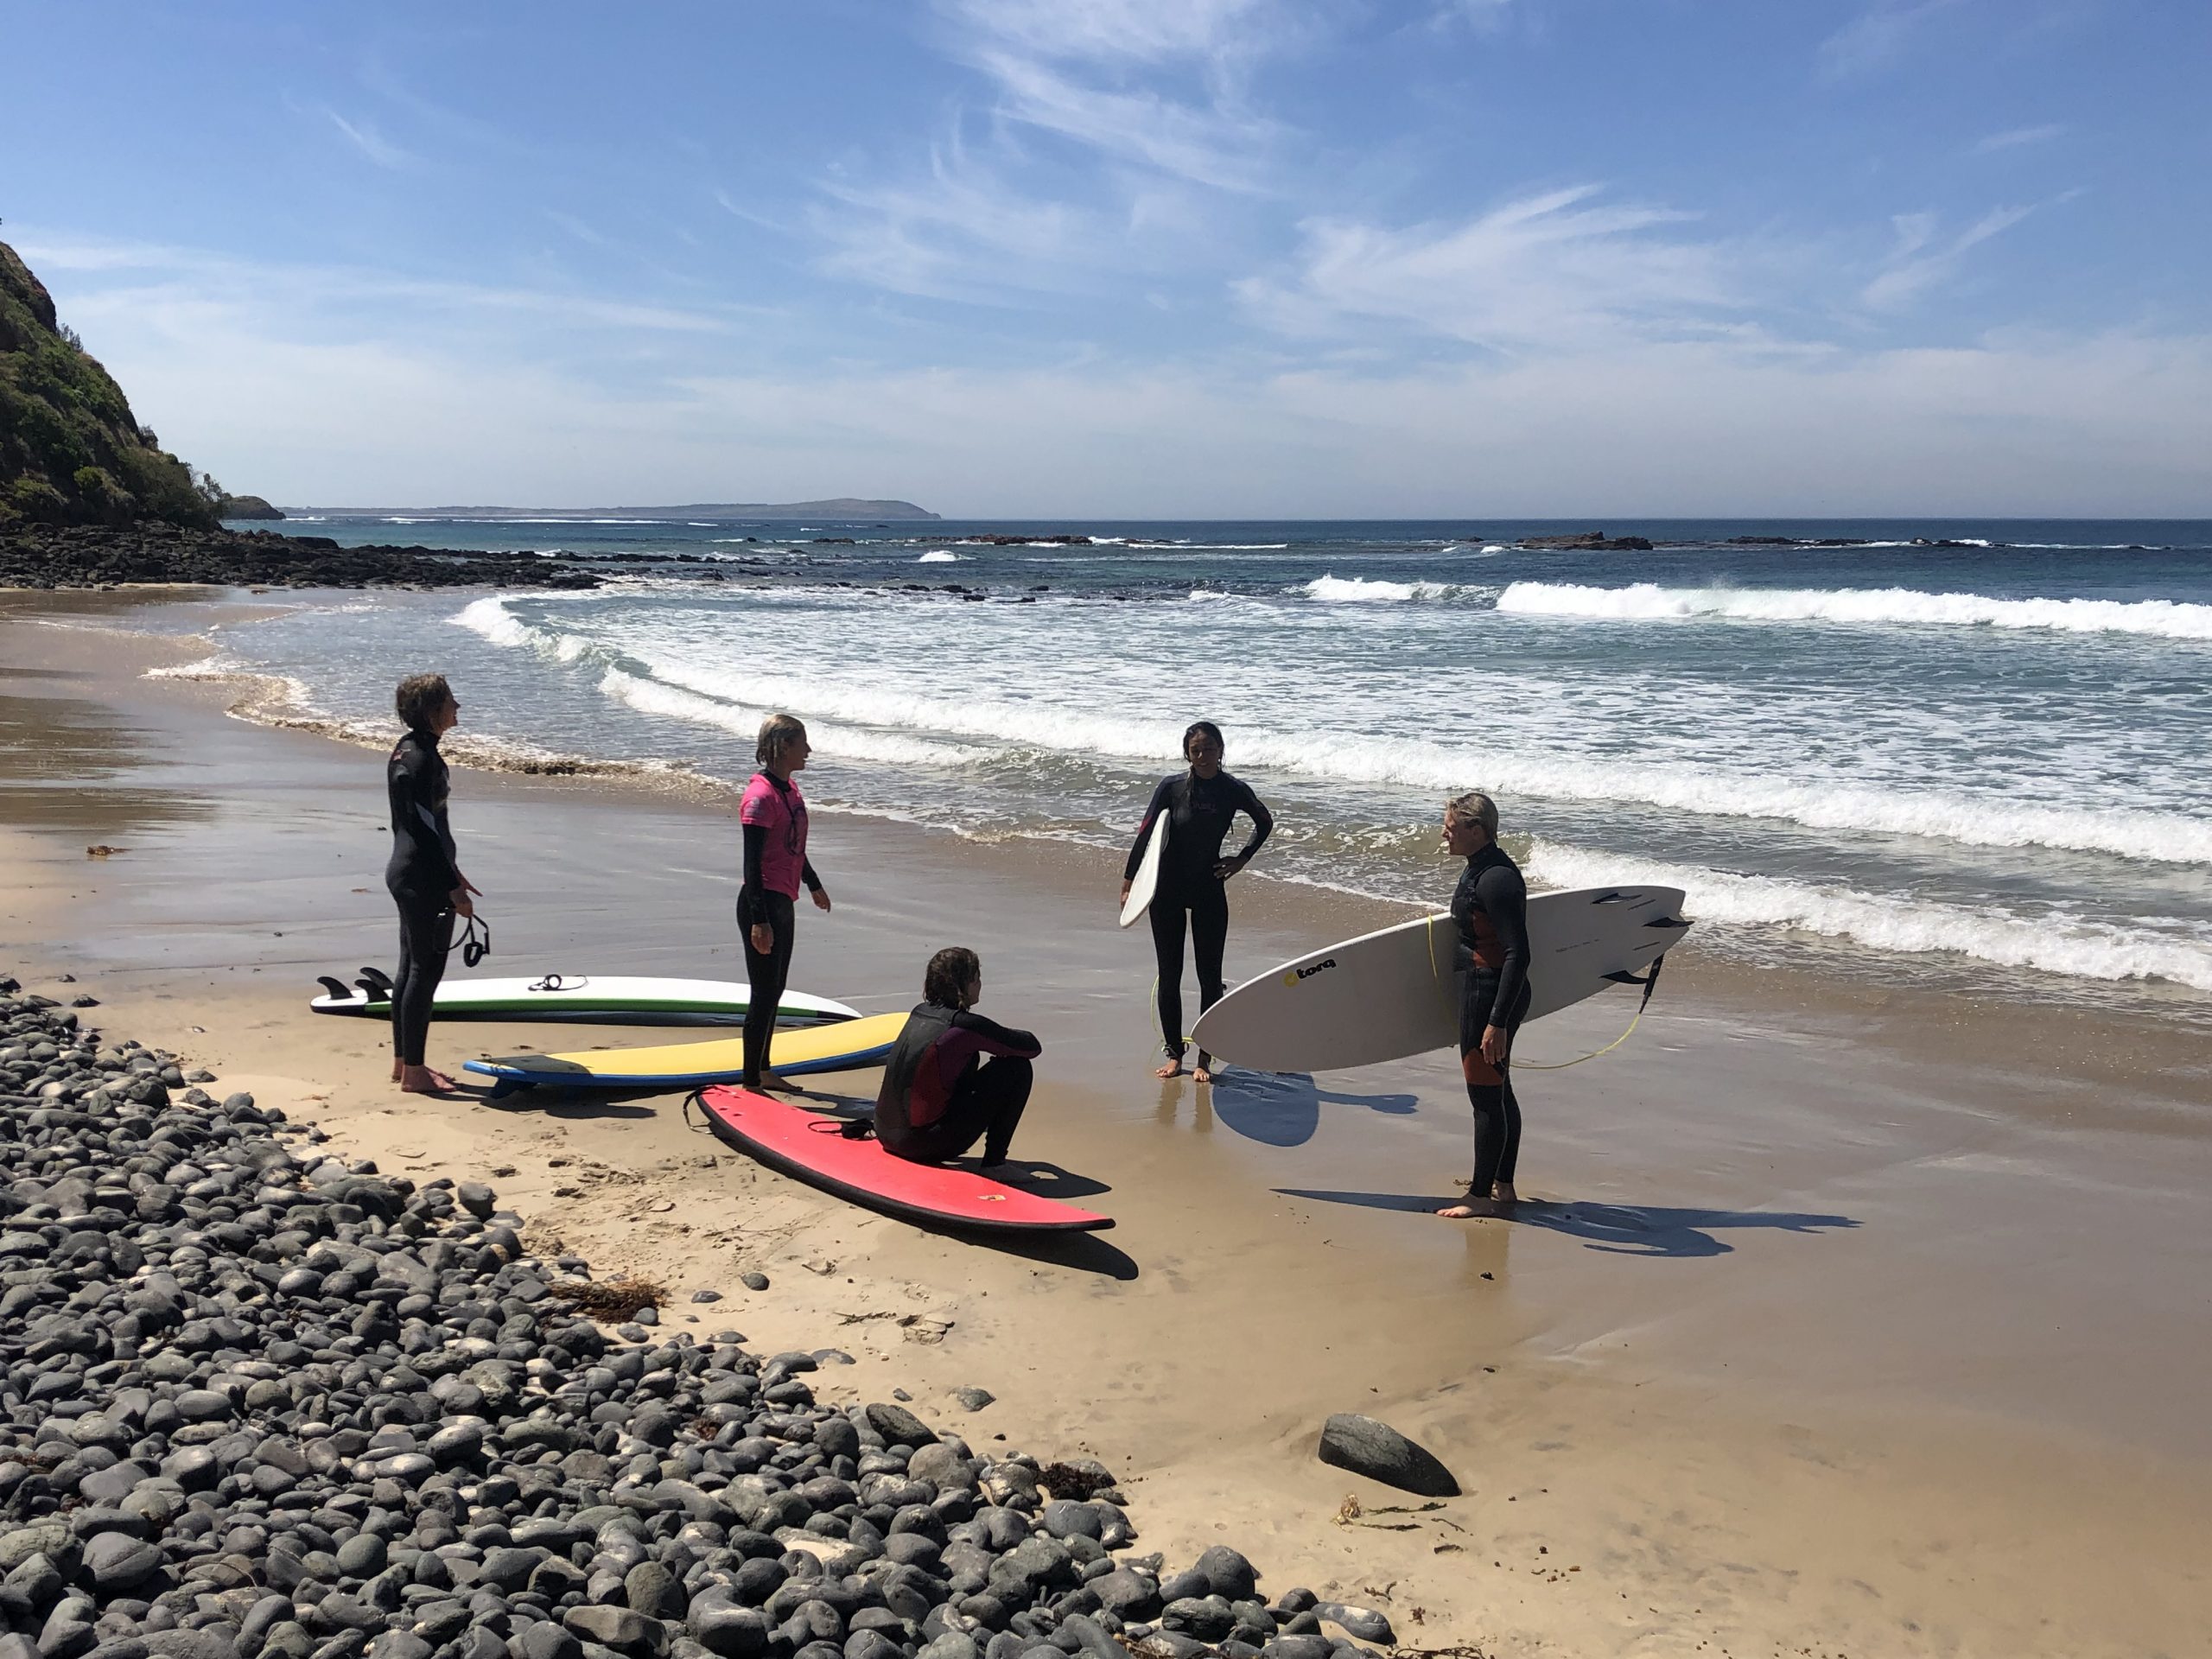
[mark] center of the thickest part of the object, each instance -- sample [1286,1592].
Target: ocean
[1970,756]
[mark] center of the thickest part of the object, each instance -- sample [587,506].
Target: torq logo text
[1296,973]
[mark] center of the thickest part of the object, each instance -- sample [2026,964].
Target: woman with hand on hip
[1199,805]
[772,816]
[1489,909]
[421,875]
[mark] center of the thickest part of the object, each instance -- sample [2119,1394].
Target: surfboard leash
[1649,981]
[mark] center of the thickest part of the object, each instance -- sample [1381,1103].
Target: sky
[1143,258]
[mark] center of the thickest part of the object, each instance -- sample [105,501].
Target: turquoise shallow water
[1961,753]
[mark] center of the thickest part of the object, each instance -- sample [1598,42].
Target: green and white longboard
[584,999]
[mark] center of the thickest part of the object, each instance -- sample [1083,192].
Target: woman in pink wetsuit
[773,816]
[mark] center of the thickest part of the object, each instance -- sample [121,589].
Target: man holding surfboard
[1193,811]
[1489,911]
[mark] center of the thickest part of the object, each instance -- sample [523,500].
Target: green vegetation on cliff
[70,451]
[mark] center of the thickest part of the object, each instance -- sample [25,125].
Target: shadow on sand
[1283,1108]
[1616,1229]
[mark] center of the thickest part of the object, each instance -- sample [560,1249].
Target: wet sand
[1841,1323]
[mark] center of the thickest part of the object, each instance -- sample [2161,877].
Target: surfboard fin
[339,991]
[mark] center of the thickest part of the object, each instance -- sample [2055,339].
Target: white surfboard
[1147,880]
[1394,992]
[584,999]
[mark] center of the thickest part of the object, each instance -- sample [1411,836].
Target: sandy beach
[1843,1323]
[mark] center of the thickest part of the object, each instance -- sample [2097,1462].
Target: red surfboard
[811,1147]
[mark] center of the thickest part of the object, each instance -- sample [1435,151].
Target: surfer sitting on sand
[421,875]
[773,815]
[1201,806]
[1490,909]
[940,1095]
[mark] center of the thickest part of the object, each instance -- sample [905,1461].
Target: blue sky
[1143,258]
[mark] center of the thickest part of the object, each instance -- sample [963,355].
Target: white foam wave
[490,618]
[1957,817]
[840,742]
[1646,601]
[2057,943]
[1359,590]
[1971,820]
[938,555]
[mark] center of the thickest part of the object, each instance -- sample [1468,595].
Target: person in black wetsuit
[940,1094]
[1199,804]
[421,875]
[1489,908]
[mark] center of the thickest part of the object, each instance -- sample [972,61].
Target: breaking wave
[1646,601]
[2057,943]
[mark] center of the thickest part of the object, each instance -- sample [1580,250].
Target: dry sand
[1843,1326]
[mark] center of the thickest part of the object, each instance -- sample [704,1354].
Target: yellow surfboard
[844,1046]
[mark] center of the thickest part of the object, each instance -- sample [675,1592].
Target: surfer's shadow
[1283,1108]
[1659,1231]
[1664,1231]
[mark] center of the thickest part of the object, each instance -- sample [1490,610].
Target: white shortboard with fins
[1145,882]
[1395,992]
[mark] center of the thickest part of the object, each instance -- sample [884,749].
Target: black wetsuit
[1199,811]
[767,972]
[420,876]
[940,1095]
[1490,907]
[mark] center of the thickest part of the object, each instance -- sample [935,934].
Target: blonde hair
[1474,807]
[419,698]
[777,733]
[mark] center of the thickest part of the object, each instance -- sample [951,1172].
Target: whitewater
[1967,752]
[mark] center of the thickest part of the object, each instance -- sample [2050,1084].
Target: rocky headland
[261,1402]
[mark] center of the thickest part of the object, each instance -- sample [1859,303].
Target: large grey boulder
[1379,1451]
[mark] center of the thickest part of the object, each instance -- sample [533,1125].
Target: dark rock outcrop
[246,507]
[85,556]
[1379,1451]
[1589,541]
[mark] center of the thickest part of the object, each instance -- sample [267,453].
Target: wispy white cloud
[1875,38]
[2019,137]
[1138,31]
[1149,91]
[1220,143]
[1922,260]
[1071,67]
[578,228]
[1560,271]
[300,291]
[958,232]
[728,204]
[371,142]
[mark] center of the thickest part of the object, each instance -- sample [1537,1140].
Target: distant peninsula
[845,509]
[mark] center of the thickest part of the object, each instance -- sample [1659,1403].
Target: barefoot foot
[421,1080]
[1172,1069]
[1470,1209]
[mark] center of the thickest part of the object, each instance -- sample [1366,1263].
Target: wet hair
[1205,728]
[777,733]
[949,974]
[1474,807]
[419,698]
